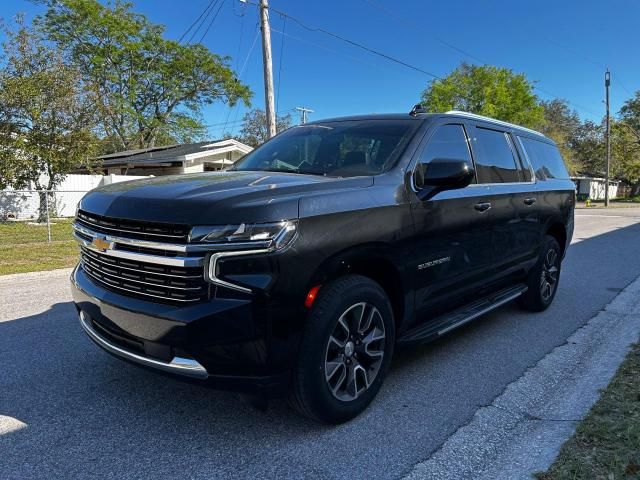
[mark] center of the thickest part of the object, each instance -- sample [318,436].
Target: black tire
[543,279]
[312,393]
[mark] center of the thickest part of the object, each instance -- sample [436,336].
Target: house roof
[172,153]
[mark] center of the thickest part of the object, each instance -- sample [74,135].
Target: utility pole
[607,82]
[268,68]
[304,112]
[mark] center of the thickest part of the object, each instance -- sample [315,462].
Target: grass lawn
[615,202]
[606,444]
[24,247]
[628,199]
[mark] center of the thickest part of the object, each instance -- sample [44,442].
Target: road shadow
[90,415]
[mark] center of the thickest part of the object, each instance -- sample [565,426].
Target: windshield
[336,149]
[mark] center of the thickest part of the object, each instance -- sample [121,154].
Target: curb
[522,430]
[29,276]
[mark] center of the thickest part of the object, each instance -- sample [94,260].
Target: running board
[449,321]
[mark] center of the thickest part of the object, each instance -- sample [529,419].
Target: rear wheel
[346,350]
[543,278]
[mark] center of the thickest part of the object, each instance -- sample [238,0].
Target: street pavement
[69,410]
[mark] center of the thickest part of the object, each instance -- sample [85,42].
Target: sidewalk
[522,430]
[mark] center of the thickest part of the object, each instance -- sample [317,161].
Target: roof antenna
[417,108]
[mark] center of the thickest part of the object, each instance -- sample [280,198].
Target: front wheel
[543,278]
[346,350]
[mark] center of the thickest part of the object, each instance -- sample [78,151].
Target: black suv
[301,268]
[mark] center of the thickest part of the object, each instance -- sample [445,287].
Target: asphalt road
[68,410]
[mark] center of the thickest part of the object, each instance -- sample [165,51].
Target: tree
[562,125]
[486,90]
[625,142]
[149,89]
[254,128]
[46,115]
[589,147]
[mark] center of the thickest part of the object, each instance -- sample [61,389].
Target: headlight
[266,235]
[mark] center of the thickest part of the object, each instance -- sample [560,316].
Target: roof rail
[493,120]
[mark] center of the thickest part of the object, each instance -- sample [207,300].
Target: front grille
[158,232]
[149,281]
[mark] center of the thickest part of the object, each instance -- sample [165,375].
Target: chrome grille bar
[142,257]
[117,286]
[96,258]
[127,279]
[134,242]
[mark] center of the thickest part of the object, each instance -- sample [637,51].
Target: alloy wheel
[355,351]
[549,275]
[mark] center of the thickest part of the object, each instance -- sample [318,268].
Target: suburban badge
[432,263]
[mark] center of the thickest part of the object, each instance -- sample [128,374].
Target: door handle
[529,201]
[482,207]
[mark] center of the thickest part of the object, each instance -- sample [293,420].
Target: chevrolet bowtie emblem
[102,244]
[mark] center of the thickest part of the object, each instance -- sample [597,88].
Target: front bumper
[180,366]
[225,343]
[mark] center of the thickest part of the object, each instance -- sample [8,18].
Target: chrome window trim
[475,116]
[144,257]
[213,263]
[183,366]
[526,157]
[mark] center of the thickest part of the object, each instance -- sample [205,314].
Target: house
[593,188]
[174,159]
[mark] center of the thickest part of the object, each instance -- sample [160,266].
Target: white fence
[25,204]
[38,215]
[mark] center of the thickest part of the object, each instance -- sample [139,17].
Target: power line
[211,8]
[412,25]
[351,42]
[600,65]
[195,21]
[575,105]
[324,47]
[617,80]
[212,20]
[222,123]
[398,61]
[244,64]
[237,57]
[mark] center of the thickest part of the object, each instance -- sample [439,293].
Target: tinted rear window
[545,159]
[494,157]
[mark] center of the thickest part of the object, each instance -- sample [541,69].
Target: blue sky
[564,46]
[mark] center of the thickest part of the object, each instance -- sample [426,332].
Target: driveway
[69,410]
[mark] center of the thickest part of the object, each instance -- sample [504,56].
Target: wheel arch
[558,231]
[374,262]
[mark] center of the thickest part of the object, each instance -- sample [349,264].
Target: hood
[213,198]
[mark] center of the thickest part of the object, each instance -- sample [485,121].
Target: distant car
[300,269]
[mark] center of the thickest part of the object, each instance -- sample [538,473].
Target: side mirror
[442,174]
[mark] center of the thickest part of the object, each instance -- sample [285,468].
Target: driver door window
[448,141]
